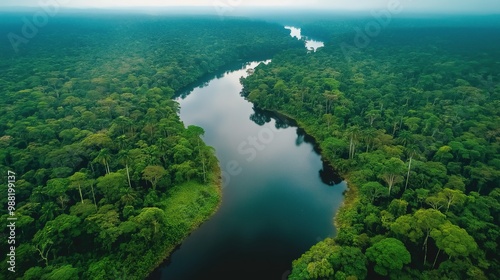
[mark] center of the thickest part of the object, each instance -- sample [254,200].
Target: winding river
[279,197]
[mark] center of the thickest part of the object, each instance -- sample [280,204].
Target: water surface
[275,205]
[311,44]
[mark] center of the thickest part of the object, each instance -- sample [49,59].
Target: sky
[474,6]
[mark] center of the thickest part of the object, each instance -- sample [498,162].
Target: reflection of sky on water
[271,212]
[311,45]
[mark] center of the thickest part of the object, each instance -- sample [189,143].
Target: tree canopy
[411,121]
[89,124]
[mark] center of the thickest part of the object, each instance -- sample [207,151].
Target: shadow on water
[328,174]
[273,211]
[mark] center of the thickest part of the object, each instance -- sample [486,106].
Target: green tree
[104,157]
[104,225]
[67,272]
[391,173]
[111,185]
[153,224]
[455,241]
[320,269]
[314,263]
[349,260]
[427,220]
[55,235]
[124,157]
[153,174]
[78,179]
[452,197]
[99,140]
[353,133]
[57,188]
[389,254]
[407,226]
[373,190]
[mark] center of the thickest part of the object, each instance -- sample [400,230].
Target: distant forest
[108,179]
[412,122]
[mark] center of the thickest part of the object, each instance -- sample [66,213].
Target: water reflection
[276,208]
[261,117]
[328,174]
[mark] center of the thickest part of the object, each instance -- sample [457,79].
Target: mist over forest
[190,142]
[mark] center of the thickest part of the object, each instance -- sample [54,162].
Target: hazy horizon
[406,6]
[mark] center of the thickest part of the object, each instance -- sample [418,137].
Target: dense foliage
[108,178]
[412,121]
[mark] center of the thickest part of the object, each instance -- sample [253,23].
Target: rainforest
[253,145]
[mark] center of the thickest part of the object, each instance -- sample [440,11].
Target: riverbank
[403,158]
[263,184]
[184,201]
[341,218]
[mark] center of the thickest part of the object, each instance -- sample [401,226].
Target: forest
[412,122]
[108,180]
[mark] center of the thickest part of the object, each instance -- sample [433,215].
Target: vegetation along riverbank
[411,120]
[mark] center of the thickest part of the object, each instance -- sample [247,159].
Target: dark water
[278,197]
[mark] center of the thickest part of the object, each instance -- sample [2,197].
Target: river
[279,198]
[311,44]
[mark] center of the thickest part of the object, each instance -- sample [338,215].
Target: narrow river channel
[278,197]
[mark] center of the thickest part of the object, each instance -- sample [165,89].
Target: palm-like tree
[369,136]
[78,179]
[330,97]
[353,133]
[124,158]
[129,197]
[405,137]
[122,141]
[411,152]
[104,157]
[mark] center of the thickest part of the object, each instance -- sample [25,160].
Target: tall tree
[427,220]
[373,190]
[391,173]
[124,157]
[153,174]
[353,133]
[452,197]
[455,241]
[104,157]
[389,254]
[78,179]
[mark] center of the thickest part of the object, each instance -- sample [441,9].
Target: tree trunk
[408,175]
[204,171]
[434,132]
[80,190]
[128,176]
[352,148]
[44,257]
[93,195]
[435,259]
[425,247]
[448,205]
